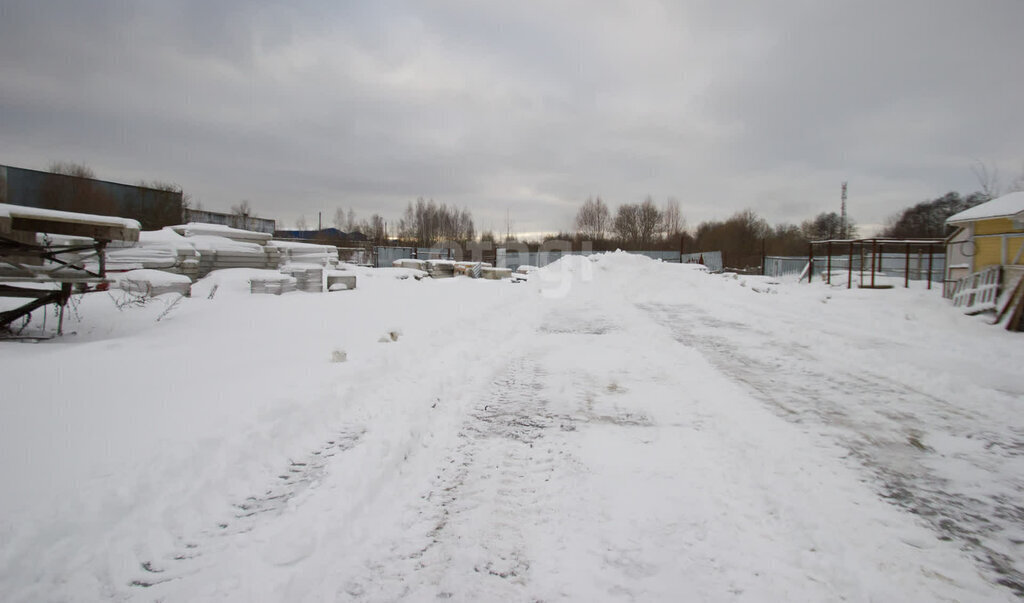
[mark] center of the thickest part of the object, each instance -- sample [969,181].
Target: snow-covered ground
[613,428]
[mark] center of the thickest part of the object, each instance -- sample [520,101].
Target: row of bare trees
[635,225]
[426,223]
[742,237]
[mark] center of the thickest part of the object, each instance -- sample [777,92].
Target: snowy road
[899,432]
[612,430]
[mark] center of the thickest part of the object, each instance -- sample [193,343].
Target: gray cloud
[522,107]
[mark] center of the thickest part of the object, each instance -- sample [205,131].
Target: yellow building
[990,234]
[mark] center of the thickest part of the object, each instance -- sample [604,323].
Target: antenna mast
[842,215]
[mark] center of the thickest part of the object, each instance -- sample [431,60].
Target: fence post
[874,256]
[810,263]
[930,265]
[762,258]
[860,254]
[906,267]
[828,263]
[849,268]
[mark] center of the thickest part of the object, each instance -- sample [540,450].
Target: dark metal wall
[153,208]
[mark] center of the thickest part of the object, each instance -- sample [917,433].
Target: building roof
[1002,207]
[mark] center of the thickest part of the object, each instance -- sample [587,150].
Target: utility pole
[842,215]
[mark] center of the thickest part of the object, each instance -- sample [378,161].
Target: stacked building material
[158,250]
[411,263]
[338,280]
[495,274]
[440,268]
[274,285]
[150,283]
[308,277]
[305,253]
[194,229]
[219,253]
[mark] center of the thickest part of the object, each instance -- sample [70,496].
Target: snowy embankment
[613,428]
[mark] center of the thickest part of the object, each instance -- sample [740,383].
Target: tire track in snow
[299,476]
[468,542]
[888,441]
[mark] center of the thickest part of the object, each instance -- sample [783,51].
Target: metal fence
[385,256]
[891,264]
[514,259]
[711,259]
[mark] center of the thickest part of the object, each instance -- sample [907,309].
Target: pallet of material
[340,281]
[495,274]
[305,253]
[273,285]
[976,293]
[1012,304]
[154,282]
[193,229]
[410,263]
[440,268]
[308,278]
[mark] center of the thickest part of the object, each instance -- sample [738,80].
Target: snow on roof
[8,211]
[164,238]
[1001,207]
[308,247]
[215,243]
[220,230]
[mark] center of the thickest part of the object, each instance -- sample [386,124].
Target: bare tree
[339,218]
[627,224]
[1018,183]
[425,223]
[672,219]
[68,168]
[593,219]
[649,220]
[243,211]
[375,228]
[301,224]
[988,178]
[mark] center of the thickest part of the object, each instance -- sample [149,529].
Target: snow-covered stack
[195,229]
[151,283]
[440,268]
[305,253]
[470,269]
[410,263]
[163,250]
[272,284]
[308,278]
[495,274]
[219,253]
[340,280]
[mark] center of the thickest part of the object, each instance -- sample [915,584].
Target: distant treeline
[741,238]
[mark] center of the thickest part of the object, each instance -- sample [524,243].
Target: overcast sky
[520,107]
